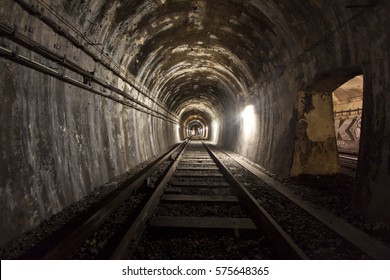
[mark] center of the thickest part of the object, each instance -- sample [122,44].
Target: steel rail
[84,230]
[348,161]
[128,242]
[364,242]
[44,245]
[282,241]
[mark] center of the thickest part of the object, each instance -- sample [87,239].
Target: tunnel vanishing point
[91,88]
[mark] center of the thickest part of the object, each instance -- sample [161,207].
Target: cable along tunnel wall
[60,140]
[64,134]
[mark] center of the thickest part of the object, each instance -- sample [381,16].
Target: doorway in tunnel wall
[328,126]
[348,108]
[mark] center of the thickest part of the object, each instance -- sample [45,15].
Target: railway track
[326,236]
[197,201]
[75,238]
[348,160]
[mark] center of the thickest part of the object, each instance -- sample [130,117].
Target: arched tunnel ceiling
[201,52]
[203,55]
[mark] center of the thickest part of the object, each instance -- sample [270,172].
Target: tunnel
[90,89]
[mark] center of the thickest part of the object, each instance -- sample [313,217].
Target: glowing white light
[178,132]
[248,112]
[215,131]
[249,117]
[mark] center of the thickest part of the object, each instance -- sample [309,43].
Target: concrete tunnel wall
[59,140]
[358,45]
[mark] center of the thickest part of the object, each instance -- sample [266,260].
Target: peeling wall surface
[91,88]
[315,144]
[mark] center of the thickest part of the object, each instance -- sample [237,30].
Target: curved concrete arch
[91,88]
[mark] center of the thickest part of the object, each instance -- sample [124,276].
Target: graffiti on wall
[348,133]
